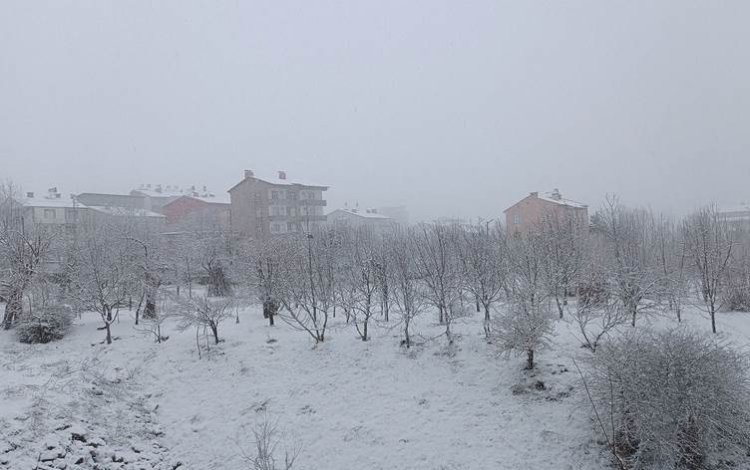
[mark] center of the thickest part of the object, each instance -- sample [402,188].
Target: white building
[737,215]
[360,218]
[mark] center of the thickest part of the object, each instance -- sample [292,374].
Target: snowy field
[347,404]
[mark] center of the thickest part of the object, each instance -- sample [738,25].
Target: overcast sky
[451,107]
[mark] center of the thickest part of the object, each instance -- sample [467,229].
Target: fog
[452,108]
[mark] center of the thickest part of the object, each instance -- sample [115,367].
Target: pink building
[526,215]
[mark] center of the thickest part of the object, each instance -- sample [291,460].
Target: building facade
[526,215]
[265,206]
[201,213]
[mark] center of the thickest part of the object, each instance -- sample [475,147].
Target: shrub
[672,399]
[736,298]
[45,325]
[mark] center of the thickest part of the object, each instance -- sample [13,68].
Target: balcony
[297,218]
[311,202]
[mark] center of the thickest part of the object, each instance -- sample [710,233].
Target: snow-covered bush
[674,399]
[524,329]
[44,325]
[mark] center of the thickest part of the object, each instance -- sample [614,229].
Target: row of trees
[630,262]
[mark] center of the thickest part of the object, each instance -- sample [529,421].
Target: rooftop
[125,212]
[279,179]
[555,197]
[62,202]
[366,214]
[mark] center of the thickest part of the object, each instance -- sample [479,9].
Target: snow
[217,199]
[274,179]
[61,202]
[551,197]
[351,405]
[360,213]
[124,211]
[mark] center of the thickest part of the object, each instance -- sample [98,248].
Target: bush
[672,400]
[737,297]
[43,326]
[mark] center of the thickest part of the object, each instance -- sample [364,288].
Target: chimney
[556,194]
[534,194]
[30,195]
[249,173]
[282,175]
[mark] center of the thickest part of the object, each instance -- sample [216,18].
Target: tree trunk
[215,332]
[487,320]
[14,308]
[149,311]
[108,324]
[530,359]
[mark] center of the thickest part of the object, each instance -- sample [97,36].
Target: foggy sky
[453,108]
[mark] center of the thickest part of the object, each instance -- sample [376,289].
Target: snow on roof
[731,209]
[555,197]
[123,211]
[152,192]
[276,180]
[49,202]
[367,214]
[213,199]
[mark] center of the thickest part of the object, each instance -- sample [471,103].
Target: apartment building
[262,206]
[526,215]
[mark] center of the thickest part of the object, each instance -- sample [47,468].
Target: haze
[452,108]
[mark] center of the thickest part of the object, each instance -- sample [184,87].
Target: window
[258,212]
[49,213]
[274,195]
[516,218]
[289,227]
[276,228]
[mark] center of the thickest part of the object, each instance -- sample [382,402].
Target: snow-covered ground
[348,404]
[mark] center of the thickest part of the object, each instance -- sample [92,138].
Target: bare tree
[527,324]
[596,320]
[24,246]
[360,277]
[634,274]
[482,257]
[267,440]
[709,240]
[435,247]
[405,279]
[310,283]
[203,312]
[673,260]
[105,272]
[563,242]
